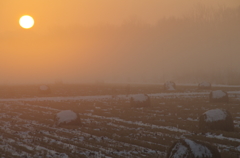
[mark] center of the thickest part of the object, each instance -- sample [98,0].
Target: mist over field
[119,78]
[202,44]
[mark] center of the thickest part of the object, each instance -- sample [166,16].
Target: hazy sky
[88,12]
[59,47]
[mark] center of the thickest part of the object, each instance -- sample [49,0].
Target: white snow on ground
[177,94]
[58,139]
[222,137]
[140,123]
[51,153]
[60,98]
[218,94]
[101,97]
[198,150]
[140,97]
[191,119]
[213,85]
[43,87]
[205,84]
[215,115]
[219,85]
[66,116]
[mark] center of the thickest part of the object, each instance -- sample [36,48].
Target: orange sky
[23,52]
[88,12]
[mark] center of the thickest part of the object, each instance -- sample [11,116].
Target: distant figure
[216,119]
[218,96]
[170,86]
[44,89]
[140,100]
[187,148]
[204,85]
[67,117]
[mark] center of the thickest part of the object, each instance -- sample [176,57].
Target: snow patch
[221,137]
[205,84]
[191,119]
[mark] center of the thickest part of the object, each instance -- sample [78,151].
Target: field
[110,126]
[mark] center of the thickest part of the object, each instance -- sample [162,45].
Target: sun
[26,22]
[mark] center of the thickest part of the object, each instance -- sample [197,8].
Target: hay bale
[44,89]
[140,100]
[186,148]
[218,96]
[204,85]
[170,86]
[216,119]
[67,117]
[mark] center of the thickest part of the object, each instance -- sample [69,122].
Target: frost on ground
[110,126]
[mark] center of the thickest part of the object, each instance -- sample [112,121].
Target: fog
[115,41]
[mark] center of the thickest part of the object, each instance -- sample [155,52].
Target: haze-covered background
[120,41]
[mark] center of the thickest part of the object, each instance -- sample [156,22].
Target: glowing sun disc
[26,22]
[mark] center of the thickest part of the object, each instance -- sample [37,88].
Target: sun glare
[26,22]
